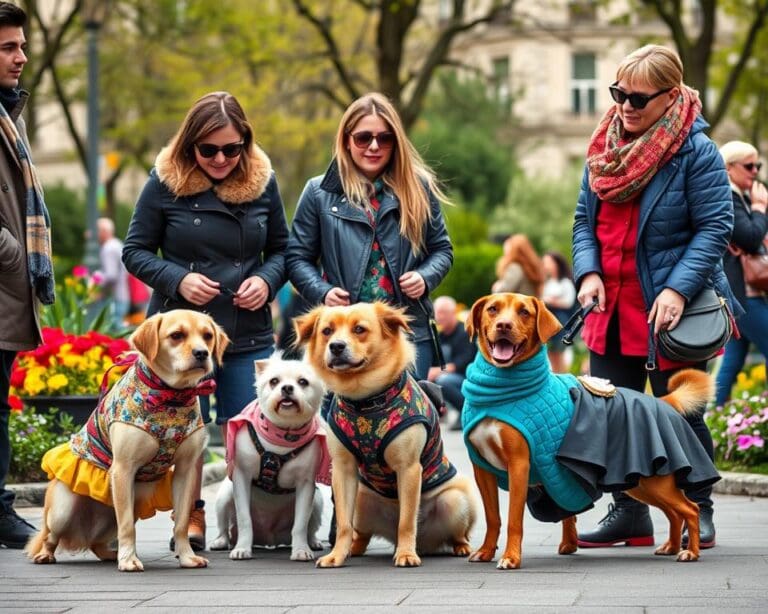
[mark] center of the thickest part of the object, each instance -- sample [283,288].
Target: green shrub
[32,434]
[464,227]
[473,272]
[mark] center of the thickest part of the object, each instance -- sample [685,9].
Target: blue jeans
[235,385]
[753,326]
[451,385]
[6,361]
[424,358]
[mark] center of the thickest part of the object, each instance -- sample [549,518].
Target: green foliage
[32,434]
[464,227]
[77,310]
[472,273]
[459,136]
[67,210]
[540,208]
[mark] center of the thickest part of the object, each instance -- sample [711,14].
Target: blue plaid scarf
[37,219]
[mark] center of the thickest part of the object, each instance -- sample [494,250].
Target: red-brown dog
[510,329]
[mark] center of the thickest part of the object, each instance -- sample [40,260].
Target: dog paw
[240,554]
[130,564]
[508,562]
[482,555]
[193,562]
[43,558]
[316,545]
[686,556]
[407,559]
[567,547]
[666,549]
[302,554]
[220,543]
[334,559]
[461,549]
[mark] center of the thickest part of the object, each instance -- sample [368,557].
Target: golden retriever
[510,330]
[390,476]
[175,352]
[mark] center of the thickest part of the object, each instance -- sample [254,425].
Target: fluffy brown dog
[410,493]
[119,465]
[510,330]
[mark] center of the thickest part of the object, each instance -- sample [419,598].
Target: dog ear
[392,319]
[221,341]
[472,325]
[304,326]
[547,324]
[146,338]
[260,365]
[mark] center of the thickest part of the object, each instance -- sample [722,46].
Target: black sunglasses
[575,322]
[638,101]
[385,140]
[750,166]
[230,150]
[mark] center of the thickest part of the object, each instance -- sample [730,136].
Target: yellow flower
[72,361]
[758,372]
[363,425]
[57,382]
[33,385]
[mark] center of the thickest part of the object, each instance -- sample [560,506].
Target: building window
[501,79]
[583,84]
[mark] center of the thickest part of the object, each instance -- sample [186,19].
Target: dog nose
[503,325]
[200,355]
[337,347]
[287,390]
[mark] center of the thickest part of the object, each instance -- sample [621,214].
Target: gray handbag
[705,326]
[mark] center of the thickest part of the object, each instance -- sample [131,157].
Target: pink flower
[97,278]
[745,442]
[80,271]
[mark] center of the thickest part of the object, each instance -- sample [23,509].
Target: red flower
[385,283]
[17,377]
[15,402]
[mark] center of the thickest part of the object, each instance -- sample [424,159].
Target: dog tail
[690,390]
[34,545]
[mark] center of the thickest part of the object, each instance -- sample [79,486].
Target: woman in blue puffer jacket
[371,228]
[652,223]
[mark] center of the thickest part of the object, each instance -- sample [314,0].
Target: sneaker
[629,523]
[196,529]
[14,530]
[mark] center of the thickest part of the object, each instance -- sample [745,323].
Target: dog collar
[379,401]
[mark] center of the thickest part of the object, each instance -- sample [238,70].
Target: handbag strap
[433,335]
[650,361]
[576,322]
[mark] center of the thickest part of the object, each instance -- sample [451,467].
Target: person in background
[559,295]
[212,207]
[750,226]
[652,222]
[26,271]
[372,228]
[458,352]
[519,268]
[114,275]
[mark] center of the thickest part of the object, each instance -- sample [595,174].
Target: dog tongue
[503,351]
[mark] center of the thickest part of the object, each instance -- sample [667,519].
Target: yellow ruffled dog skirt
[84,478]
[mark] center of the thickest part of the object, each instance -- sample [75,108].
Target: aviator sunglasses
[363,139]
[751,166]
[230,150]
[638,101]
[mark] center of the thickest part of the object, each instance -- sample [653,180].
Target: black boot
[14,530]
[706,529]
[627,521]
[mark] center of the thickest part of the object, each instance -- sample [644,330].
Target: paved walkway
[732,577]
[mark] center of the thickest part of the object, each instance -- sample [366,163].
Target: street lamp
[94,12]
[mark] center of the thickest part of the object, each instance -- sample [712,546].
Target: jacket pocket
[11,252]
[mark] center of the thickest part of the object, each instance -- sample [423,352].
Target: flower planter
[79,407]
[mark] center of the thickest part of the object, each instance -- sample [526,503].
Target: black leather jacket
[330,244]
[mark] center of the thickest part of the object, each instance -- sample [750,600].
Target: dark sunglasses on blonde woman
[209,150]
[638,101]
[363,139]
[752,166]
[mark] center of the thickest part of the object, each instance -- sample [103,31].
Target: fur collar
[235,189]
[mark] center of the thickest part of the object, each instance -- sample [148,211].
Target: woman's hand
[336,297]
[592,287]
[666,310]
[758,196]
[252,294]
[198,289]
[412,284]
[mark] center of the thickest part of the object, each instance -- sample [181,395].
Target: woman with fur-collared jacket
[371,228]
[212,207]
[652,223]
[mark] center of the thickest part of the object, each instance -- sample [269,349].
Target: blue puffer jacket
[686,219]
[329,231]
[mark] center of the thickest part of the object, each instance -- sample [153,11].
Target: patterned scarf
[38,221]
[620,170]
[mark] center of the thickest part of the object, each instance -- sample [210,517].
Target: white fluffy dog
[276,450]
